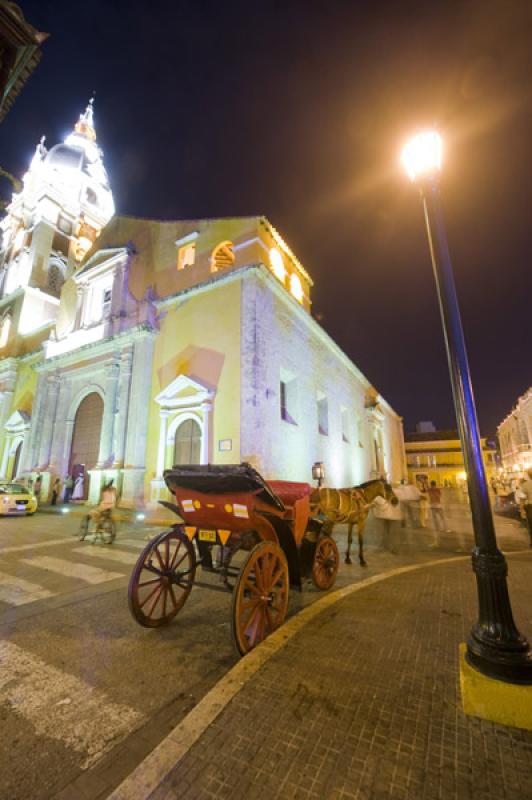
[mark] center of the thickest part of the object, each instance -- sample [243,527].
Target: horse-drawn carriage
[263,539]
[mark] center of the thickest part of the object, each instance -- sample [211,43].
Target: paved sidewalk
[364,703]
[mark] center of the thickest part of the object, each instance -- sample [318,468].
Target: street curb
[152,771]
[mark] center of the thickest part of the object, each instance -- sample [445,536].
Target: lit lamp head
[422,156]
[318,472]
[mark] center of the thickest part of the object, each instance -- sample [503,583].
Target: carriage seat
[290,492]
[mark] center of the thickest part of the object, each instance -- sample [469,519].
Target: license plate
[207,536]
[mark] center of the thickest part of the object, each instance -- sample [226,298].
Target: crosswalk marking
[84,572]
[137,543]
[16,591]
[62,707]
[110,555]
[20,548]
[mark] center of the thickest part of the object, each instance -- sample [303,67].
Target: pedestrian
[69,485]
[56,490]
[423,504]
[436,508]
[525,502]
[77,494]
[37,486]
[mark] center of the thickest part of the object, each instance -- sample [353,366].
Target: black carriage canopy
[221,479]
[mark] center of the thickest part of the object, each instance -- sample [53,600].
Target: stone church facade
[128,345]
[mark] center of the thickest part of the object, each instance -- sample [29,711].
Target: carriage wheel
[162,579]
[260,596]
[325,564]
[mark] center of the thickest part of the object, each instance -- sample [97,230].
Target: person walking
[77,494]
[56,491]
[37,486]
[423,504]
[69,485]
[526,502]
[436,508]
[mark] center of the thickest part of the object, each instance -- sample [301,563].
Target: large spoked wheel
[162,579]
[260,596]
[326,562]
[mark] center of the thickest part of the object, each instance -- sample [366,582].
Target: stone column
[106,455]
[161,453]
[61,429]
[5,456]
[122,408]
[48,419]
[138,414]
[39,407]
[206,408]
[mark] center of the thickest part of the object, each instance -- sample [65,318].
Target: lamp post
[318,472]
[495,646]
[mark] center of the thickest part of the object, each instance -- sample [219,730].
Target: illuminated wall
[325,418]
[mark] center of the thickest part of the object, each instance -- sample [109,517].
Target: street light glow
[422,155]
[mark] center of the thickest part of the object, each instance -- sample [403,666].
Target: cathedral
[128,345]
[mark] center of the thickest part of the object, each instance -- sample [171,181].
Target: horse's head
[378,488]
[390,495]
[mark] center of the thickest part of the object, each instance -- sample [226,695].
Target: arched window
[295,287]
[5,326]
[222,256]
[187,447]
[55,280]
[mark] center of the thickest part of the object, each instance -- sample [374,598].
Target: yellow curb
[505,703]
[158,764]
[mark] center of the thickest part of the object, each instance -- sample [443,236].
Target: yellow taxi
[16,500]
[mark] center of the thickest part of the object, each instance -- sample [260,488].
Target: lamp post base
[495,647]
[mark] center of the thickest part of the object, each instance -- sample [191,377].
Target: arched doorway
[86,441]
[16,460]
[187,446]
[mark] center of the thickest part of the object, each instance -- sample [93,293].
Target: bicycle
[104,526]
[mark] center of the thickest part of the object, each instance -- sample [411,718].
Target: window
[222,256]
[323,415]
[277,265]
[186,255]
[296,288]
[60,243]
[345,425]
[91,196]
[106,304]
[55,280]
[288,397]
[64,224]
[360,432]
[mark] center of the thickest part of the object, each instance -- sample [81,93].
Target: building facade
[515,437]
[130,345]
[433,455]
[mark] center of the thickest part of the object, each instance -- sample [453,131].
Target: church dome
[65,156]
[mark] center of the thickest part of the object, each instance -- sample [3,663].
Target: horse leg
[349,542]
[361,526]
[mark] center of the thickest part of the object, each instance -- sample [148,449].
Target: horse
[350,506]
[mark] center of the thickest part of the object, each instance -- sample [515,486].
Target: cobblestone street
[365,703]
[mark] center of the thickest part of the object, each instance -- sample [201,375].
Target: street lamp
[318,472]
[495,646]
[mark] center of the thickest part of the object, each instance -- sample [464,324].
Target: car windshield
[13,488]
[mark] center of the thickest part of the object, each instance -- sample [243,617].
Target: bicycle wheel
[108,529]
[84,527]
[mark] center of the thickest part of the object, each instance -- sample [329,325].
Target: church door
[86,441]
[187,448]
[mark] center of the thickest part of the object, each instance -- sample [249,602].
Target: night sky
[298,110]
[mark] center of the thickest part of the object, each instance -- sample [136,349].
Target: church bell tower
[50,224]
